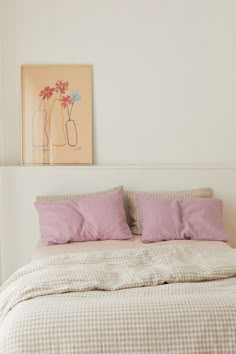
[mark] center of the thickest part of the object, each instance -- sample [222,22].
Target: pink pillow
[161,218]
[185,218]
[86,219]
[202,219]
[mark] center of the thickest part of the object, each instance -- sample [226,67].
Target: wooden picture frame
[56,114]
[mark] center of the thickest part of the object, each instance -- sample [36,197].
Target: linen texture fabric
[161,218]
[170,299]
[61,197]
[98,217]
[202,219]
[133,205]
[178,219]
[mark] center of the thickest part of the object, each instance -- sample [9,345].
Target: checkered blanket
[168,299]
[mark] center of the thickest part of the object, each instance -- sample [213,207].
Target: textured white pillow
[57,198]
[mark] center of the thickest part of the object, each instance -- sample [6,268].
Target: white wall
[2,211]
[2,158]
[1,145]
[164,73]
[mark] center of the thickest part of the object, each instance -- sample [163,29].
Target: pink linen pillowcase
[203,219]
[178,219]
[161,218]
[87,219]
[60,222]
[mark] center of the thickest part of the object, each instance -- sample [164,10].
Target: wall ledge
[133,166]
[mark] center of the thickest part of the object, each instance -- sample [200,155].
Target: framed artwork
[56,114]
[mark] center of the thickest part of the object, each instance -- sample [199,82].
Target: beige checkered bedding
[68,312]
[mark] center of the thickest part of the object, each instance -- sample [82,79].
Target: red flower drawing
[65,101]
[47,92]
[61,86]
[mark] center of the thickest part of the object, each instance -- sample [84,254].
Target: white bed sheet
[42,251]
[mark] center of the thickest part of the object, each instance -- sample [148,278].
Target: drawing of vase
[56,122]
[71,133]
[39,129]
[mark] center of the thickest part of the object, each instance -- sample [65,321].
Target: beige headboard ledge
[19,228]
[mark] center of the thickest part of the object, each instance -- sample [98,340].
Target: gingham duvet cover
[169,299]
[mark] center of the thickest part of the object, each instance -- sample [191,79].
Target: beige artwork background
[44,121]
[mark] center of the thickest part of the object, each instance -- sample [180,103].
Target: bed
[122,296]
[131,300]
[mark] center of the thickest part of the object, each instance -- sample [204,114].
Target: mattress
[42,251]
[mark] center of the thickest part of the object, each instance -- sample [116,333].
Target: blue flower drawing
[75,96]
